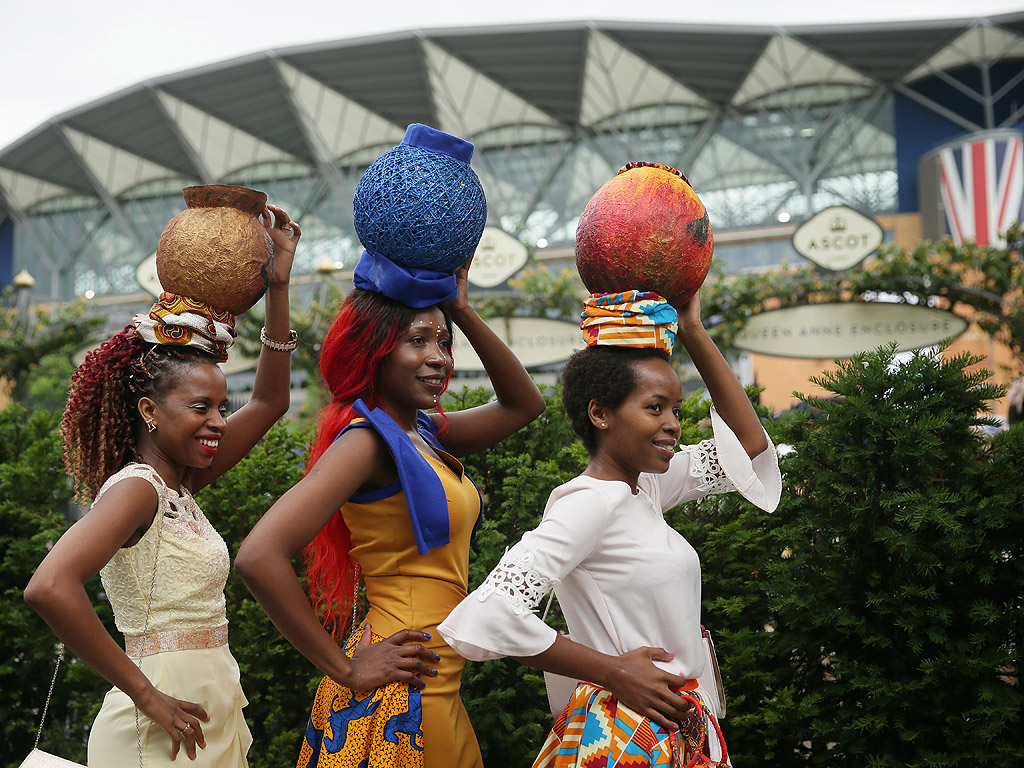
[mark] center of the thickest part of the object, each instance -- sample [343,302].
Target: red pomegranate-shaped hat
[645,230]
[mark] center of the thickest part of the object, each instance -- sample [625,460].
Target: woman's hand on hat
[461,303]
[285,234]
[689,317]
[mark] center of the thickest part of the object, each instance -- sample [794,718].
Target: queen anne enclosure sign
[841,329]
[838,237]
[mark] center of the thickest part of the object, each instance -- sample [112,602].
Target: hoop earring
[151,424]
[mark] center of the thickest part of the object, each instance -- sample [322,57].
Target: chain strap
[145,627]
[53,682]
[356,573]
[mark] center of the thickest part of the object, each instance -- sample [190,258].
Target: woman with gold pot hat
[146,427]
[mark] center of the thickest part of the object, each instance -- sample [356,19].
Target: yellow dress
[405,590]
[182,645]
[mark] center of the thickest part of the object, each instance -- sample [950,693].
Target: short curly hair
[602,373]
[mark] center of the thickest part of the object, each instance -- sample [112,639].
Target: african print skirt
[352,729]
[594,729]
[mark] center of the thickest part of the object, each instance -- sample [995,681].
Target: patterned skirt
[594,729]
[353,729]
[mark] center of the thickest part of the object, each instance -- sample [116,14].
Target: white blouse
[623,577]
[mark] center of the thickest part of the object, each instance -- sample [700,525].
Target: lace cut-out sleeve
[707,469]
[515,579]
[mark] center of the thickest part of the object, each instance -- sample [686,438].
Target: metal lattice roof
[551,108]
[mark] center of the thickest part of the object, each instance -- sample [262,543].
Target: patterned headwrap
[629,319]
[180,321]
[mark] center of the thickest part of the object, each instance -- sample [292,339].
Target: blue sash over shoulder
[424,492]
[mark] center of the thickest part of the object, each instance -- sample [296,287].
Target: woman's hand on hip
[647,689]
[181,719]
[399,658]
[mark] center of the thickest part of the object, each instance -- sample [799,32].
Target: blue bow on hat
[413,286]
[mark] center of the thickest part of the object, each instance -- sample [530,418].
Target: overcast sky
[57,55]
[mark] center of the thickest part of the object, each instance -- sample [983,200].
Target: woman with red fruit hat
[642,688]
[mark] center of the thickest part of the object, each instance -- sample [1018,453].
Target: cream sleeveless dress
[183,648]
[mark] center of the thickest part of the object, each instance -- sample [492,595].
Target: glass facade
[770,130]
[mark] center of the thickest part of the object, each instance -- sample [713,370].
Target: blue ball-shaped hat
[420,204]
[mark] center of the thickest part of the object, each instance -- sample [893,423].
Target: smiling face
[190,418]
[640,434]
[416,372]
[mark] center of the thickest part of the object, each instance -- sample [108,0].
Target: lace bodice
[191,566]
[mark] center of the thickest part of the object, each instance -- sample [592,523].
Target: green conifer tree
[899,606]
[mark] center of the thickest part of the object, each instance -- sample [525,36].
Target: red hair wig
[368,327]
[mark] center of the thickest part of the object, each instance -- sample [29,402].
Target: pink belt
[176,640]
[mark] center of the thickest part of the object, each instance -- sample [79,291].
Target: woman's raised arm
[271,389]
[726,392]
[518,400]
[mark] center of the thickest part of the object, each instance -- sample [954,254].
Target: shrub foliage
[874,619]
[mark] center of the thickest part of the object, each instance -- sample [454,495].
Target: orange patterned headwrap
[180,321]
[629,319]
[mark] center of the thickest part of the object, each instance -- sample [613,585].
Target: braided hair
[101,416]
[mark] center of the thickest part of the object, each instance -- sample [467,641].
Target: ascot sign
[842,329]
[838,237]
[498,257]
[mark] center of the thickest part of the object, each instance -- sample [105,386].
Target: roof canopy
[708,98]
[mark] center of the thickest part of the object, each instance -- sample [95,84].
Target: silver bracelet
[280,346]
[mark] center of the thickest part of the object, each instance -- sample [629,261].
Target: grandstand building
[770,124]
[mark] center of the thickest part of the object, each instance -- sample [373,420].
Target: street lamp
[23,284]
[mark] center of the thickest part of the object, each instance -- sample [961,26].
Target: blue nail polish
[427,634]
[436,657]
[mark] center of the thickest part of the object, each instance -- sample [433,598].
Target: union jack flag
[982,186]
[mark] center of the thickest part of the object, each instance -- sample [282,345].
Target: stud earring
[603,425]
[151,424]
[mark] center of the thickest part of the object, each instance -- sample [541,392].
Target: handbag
[37,758]
[711,680]
[559,687]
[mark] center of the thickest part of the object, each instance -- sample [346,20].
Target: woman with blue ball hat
[385,497]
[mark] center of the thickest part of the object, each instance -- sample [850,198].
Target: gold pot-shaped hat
[217,251]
